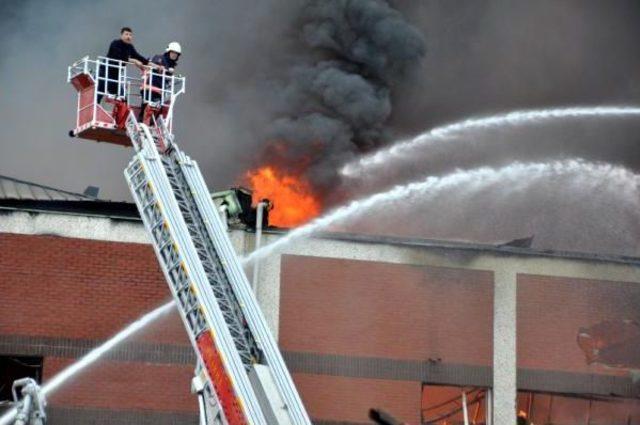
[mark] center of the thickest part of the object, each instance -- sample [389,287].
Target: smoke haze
[218,121]
[584,208]
[337,96]
[330,85]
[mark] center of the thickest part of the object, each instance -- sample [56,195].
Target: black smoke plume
[337,99]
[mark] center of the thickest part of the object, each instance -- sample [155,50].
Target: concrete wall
[72,226]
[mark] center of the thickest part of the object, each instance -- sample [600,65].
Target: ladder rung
[148,204]
[165,244]
[192,309]
[179,284]
[157,224]
[213,279]
[137,170]
[139,185]
[183,288]
[185,284]
[174,265]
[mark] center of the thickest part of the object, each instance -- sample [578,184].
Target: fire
[292,197]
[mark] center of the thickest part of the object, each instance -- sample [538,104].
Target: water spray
[93,355]
[473,179]
[404,148]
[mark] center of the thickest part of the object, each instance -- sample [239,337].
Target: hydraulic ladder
[242,366]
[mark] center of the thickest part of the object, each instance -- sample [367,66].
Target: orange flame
[292,197]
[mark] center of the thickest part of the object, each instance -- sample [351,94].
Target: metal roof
[469,246]
[11,188]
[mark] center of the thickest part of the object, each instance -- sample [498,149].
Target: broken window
[565,409]
[442,404]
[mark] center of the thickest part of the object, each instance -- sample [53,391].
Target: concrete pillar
[504,347]
[268,290]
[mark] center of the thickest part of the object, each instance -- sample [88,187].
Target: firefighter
[120,49]
[165,65]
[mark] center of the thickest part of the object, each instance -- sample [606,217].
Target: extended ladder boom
[243,365]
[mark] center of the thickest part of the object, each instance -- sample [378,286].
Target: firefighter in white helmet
[166,64]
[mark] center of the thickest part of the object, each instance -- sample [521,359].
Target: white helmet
[174,46]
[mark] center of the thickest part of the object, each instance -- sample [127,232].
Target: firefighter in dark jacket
[165,66]
[120,50]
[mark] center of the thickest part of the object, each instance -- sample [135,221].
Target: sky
[481,57]
[240,56]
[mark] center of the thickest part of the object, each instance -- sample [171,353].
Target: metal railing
[123,81]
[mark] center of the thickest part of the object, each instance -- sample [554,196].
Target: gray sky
[228,48]
[482,56]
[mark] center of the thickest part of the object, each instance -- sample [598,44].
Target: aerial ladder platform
[241,376]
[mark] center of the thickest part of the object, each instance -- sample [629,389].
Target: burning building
[429,330]
[332,103]
[292,197]
[406,325]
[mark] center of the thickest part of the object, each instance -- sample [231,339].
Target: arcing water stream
[359,167]
[93,355]
[471,180]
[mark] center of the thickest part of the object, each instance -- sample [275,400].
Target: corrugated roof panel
[15,191]
[54,195]
[11,188]
[4,188]
[24,191]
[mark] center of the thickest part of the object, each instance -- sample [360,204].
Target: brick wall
[79,288]
[551,310]
[385,311]
[125,386]
[77,292]
[376,330]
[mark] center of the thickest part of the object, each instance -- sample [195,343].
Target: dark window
[16,367]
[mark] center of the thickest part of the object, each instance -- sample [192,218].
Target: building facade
[364,322]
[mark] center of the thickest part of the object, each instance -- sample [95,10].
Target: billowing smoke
[338,95]
[319,82]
